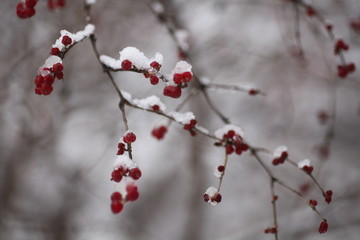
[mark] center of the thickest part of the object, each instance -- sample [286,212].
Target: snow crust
[148,102]
[76,37]
[49,62]
[279,150]
[183,118]
[305,162]
[221,131]
[181,67]
[89,2]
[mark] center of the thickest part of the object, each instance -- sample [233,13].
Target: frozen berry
[57,68]
[129,137]
[172,91]
[116,207]
[323,227]
[155,65]
[66,40]
[154,80]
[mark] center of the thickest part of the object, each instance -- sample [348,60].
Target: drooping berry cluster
[26,9]
[233,142]
[125,168]
[306,166]
[328,196]
[212,196]
[46,78]
[346,69]
[159,132]
[323,227]
[190,127]
[181,79]
[152,71]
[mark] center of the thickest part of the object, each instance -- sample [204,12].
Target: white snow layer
[76,37]
[124,161]
[279,150]
[183,118]
[148,102]
[224,130]
[89,2]
[305,162]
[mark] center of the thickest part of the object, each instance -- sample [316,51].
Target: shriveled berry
[135,173]
[66,40]
[172,91]
[126,65]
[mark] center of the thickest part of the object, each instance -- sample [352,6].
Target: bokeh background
[57,151]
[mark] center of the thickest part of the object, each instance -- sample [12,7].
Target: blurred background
[57,151]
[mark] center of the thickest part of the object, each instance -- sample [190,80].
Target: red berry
[323,227]
[253,92]
[146,75]
[49,79]
[172,91]
[39,80]
[156,108]
[276,161]
[21,10]
[229,149]
[178,78]
[38,90]
[55,51]
[187,76]
[159,132]
[329,193]
[313,202]
[216,198]
[206,197]
[154,80]
[275,197]
[30,3]
[116,207]
[155,65]
[308,169]
[310,11]
[51,4]
[59,75]
[30,12]
[116,197]
[116,175]
[135,173]
[126,65]
[61,3]
[57,68]
[66,40]
[46,89]
[129,138]
[132,192]
[340,45]
[220,168]
[328,199]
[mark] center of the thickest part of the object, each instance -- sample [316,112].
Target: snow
[89,2]
[305,162]
[279,150]
[124,161]
[202,129]
[183,118]
[76,37]
[158,58]
[181,67]
[49,62]
[157,7]
[220,132]
[148,102]
[217,173]
[211,191]
[126,95]
[182,38]
[110,62]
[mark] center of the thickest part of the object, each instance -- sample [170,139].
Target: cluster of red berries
[313,203]
[328,196]
[54,4]
[190,127]
[26,9]
[340,45]
[344,70]
[271,230]
[216,198]
[123,171]
[308,169]
[44,83]
[66,40]
[181,79]
[233,143]
[130,137]
[281,159]
[151,73]
[159,132]
[118,201]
